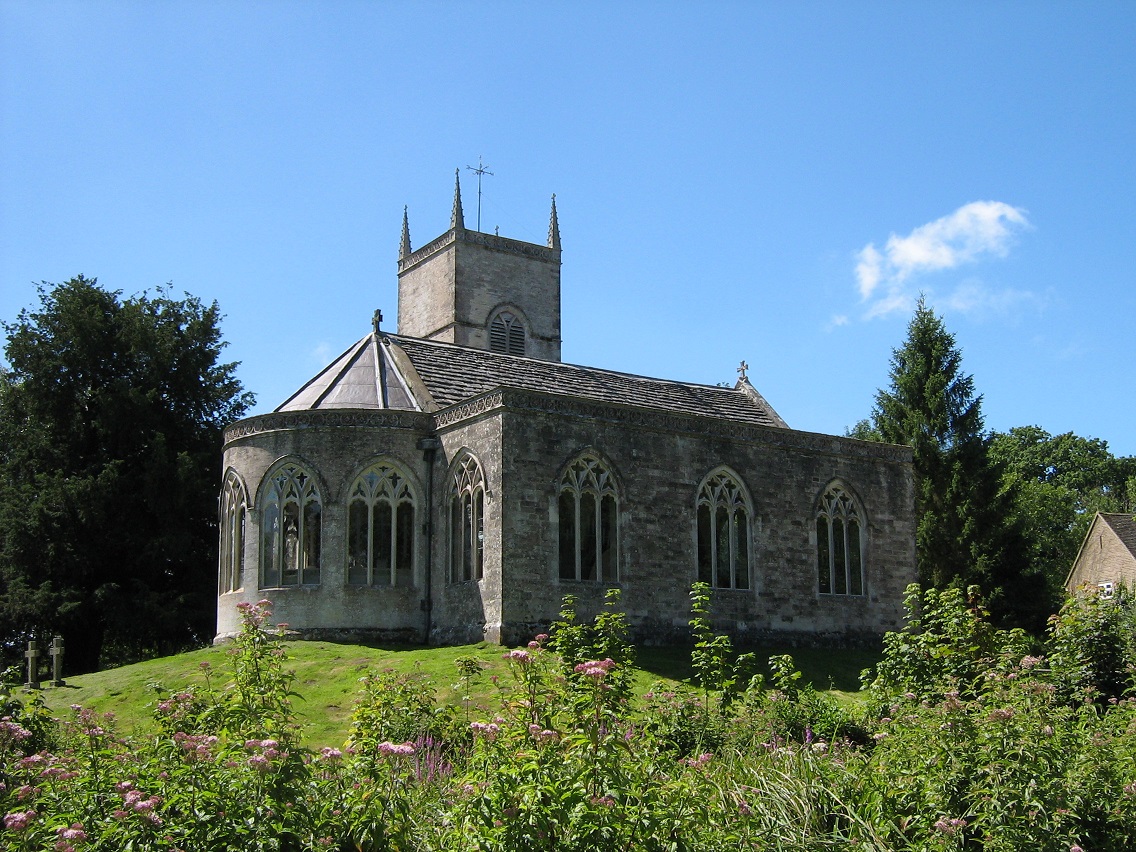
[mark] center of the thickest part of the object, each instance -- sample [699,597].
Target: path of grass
[328,673]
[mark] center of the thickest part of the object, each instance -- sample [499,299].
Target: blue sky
[773,182]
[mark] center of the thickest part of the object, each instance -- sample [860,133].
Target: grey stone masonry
[436,486]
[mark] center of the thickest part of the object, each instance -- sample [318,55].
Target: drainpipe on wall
[429,447]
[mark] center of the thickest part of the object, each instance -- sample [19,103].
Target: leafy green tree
[966,532]
[111,419]
[1058,483]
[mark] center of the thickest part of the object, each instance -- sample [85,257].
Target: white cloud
[976,230]
[322,353]
[836,321]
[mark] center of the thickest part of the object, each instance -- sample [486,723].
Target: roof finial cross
[479,171]
[742,367]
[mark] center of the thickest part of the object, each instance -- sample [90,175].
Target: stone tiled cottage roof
[1124,525]
[423,375]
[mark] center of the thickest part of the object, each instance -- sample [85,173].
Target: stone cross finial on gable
[742,370]
[377,320]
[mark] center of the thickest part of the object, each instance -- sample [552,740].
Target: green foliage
[947,645]
[1057,484]
[111,419]
[605,637]
[713,660]
[965,528]
[1007,764]
[1092,645]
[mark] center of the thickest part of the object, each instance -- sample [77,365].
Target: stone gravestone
[33,666]
[56,652]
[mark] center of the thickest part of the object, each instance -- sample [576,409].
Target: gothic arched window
[840,544]
[380,528]
[234,510]
[725,522]
[467,521]
[290,527]
[507,334]
[588,504]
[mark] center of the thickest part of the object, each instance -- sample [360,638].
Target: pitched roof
[1124,526]
[454,373]
[371,376]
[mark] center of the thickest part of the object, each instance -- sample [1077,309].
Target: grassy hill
[328,673]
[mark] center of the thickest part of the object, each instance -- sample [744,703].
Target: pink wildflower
[75,832]
[18,820]
[950,827]
[397,749]
[518,656]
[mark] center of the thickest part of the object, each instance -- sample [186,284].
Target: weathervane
[479,171]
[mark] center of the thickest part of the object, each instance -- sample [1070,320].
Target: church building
[452,481]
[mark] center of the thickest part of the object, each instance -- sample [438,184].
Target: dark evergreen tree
[111,419]
[966,532]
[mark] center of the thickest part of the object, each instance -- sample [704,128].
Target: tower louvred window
[507,334]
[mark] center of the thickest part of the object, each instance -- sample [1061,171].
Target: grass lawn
[328,673]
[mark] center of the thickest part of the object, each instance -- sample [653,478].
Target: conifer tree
[111,419]
[965,530]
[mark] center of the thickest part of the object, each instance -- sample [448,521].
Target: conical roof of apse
[363,377]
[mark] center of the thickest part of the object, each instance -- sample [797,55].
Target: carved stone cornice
[490,241]
[469,409]
[329,419]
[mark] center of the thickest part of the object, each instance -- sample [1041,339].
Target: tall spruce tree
[111,419]
[966,533]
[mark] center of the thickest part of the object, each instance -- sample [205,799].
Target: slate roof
[367,376]
[454,373]
[1125,528]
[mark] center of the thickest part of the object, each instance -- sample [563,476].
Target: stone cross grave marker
[33,666]
[56,652]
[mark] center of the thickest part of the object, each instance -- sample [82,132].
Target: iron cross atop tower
[479,171]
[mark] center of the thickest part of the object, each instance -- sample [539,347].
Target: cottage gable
[1107,556]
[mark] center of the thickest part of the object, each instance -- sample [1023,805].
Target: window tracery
[467,521]
[381,509]
[291,526]
[840,544]
[588,512]
[234,511]
[724,532]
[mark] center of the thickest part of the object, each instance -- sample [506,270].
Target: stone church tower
[454,480]
[482,290]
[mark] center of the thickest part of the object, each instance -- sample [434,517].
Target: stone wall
[523,442]
[659,469]
[448,290]
[1104,558]
[335,447]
